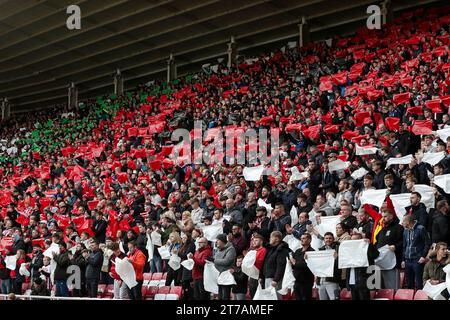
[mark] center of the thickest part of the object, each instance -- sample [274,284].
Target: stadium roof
[39,56]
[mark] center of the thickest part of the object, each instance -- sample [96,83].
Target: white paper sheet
[210,276]
[265,294]
[402,160]
[10,262]
[175,262]
[386,260]
[358,174]
[188,264]
[443,133]
[23,270]
[434,290]
[400,202]
[226,278]
[156,238]
[373,197]
[338,165]
[248,265]
[126,272]
[262,203]
[296,175]
[353,254]
[164,252]
[443,182]
[288,279]
[49,252]
[253,173]
[212,231]
[361,151]
[294,216]
[149,248]
[292,242]
[328,224]
[427,193]
[321,263]
[433,158]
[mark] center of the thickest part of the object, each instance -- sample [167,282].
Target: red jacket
[138,262]
[199,258]
[112,263]
[260,255]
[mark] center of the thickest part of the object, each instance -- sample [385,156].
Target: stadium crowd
[365,127]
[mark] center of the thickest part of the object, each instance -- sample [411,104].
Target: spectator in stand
[120,288]
[300,227]
[187,247]
[62,261]
[240,288]
[272,271]
[200,256]
[93,267]
[260,224]
[173,246]
[224,260]
[304,278]
[78,258]
[416,244]
[137,259]
[440,227]
[36,262]
[99,227]
[391,235]
[417,209]
[433,270]
[257,245]
[329,287]
[279,220]
[237,239]
[347,219]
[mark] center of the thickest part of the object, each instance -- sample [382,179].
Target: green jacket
[433,270]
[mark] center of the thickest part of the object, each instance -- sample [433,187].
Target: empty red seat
[385,294]
[346,294]
[315,294]
[25,287]
[151,291]
[164,290]
[157,276]
[404,294]
[420,295]
[147,276]
[144,291]
[164,276]
[178,290]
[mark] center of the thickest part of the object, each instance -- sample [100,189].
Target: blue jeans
[6,286]
[414,273]
[156,264]
[61,288]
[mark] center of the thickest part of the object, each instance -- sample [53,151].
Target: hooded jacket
[199,258]
[275,262]
[224,259]
[419,213]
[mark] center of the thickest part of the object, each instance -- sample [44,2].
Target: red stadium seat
[144,290]
[402,279]
[372,294]
[26,286]
[315,294]
[345,294]
[178,290]
[151,291]
[147,276]
[385,294]
[164,290]
[164,276]
[404,294]
[157,276]
[102,288]
[420,295]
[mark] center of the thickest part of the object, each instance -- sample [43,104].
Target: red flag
[38,242]
[331,128]
[312,132]
[422,127]
[166,150]
[415,110]
[133,132]
[401,98]
[85,227]
[93,204]
[155,165]
[348,134]
[362,118]
[434,105]
[292,127]
[392,123]
[122,177]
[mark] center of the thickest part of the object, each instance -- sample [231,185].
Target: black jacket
[62,263]
[36,263]
[440,228]
[141,242]
[301,271]
[80,261]
[241,281]
[94,264]
[328,182]
[264,230]
[419,213]
[280,223]
[392,235]
[99,228]
[350,222]
[18,245]
[275,262]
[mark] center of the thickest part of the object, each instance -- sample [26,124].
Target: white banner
[188,264]
[292,242]
[362,151]
[288,279]
[400,202]
[321,263]
[210,276]
[338,165]
[386,260]
[358,174]
[226,279]
[248,265]
[373,197]
[328,224]
[433,158]
[402,160]
[10,262]
[265,294]
[443,182]
[353,254]
[253,173]
[126,272]
[212,231]
[294,216]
